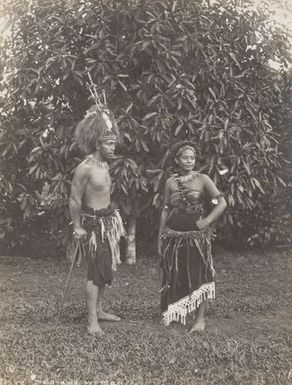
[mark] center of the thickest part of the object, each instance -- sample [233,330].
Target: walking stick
[67,282]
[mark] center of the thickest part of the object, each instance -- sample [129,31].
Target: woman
[184,241]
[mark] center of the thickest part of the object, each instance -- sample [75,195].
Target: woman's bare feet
[198,327]
[103,316]
[200,323]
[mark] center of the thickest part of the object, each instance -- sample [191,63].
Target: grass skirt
[101,248]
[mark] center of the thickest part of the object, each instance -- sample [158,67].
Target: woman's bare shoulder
[205,178]
[170,182]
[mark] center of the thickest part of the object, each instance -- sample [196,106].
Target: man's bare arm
[78,188]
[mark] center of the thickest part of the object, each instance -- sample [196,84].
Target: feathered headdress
[100,108]
[97,125]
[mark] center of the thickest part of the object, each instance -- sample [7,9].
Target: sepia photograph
[145,192]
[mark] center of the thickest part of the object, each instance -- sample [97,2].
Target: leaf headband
[183,148]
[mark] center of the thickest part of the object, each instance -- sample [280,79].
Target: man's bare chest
[100,180]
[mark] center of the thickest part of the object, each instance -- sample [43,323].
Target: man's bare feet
[103,316]
[95,330]
[93,327]
[199,326]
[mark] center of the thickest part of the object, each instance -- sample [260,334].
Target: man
[96,222]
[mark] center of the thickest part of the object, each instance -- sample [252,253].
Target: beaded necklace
[187,178]
[186,202]
[100,163]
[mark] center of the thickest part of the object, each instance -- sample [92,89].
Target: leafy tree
[170,70]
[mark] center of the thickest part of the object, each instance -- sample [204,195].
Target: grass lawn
[247,340]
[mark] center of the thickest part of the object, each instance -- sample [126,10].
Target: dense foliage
[170,70]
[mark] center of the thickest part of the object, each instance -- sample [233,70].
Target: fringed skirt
[188,273]
[101,248]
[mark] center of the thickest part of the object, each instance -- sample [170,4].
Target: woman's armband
[216,198]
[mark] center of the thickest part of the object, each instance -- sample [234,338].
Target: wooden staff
[68,280]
